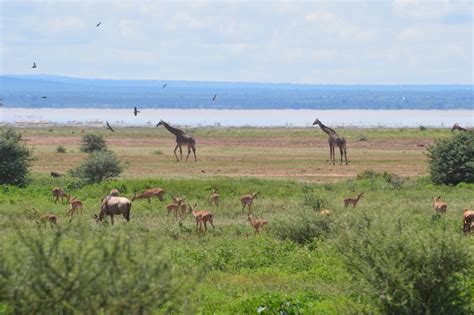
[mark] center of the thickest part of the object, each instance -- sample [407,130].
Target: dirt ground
[295,155]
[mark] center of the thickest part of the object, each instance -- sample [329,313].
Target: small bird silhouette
[34,65]
[135,111]
[44,97]
[108,126]
[164,85]
[214,98]
[98,24]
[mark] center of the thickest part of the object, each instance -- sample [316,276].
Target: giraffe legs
[181,152]
[194,151]
[342,153]
[176,148]
[189,152]
[332,158]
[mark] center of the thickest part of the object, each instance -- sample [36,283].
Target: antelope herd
[114,204]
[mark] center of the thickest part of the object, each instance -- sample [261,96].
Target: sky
[310,42]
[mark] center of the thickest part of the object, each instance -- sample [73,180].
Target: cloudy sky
[322,42]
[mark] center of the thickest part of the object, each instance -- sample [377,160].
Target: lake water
[238,117]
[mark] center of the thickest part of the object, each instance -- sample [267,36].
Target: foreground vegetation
[390,254]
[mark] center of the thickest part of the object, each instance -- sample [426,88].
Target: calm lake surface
[237,117]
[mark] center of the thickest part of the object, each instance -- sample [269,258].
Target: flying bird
[44,97]
[98,24]
[135,111]
[214,98]
[108,126]
[164,85]
[34,65]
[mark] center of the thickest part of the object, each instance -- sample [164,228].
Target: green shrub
[311,200]
[303,228]
[46,273]
[60,149]
[158,152]
[15,158]
[423,128]
[92,142]
[452,160]
[100,165]
[408,269]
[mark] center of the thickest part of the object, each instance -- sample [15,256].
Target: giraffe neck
[174,131]
[326,129]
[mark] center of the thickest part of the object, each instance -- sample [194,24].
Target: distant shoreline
[236,117]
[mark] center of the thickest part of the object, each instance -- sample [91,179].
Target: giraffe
[457,127]
[333,140]
[181,139]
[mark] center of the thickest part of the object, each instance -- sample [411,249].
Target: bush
[100,165]
[423,128]
[311,200]
[60,149]
[48,274]
[158,152]
[15,158]
[409,270]
[302,229]
[452,160]
[92,142]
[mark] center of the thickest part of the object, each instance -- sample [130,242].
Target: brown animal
[325,212]
[334,140]
[177,200]
[201,217]
[59,193]
[51,218]
[457,127]
[114,206]
[247,200]
[114,192]
[352,201]
[150,193]
[181,139]
[214,198]
[181,208]
[439,205]
[468,221]
[75,205]
[257,224]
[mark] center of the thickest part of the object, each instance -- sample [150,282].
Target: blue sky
[320,42]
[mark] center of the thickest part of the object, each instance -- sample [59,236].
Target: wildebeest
[114,206]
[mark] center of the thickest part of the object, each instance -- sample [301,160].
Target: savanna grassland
[390,254]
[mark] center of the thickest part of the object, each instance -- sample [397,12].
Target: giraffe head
[316,122]
[161,123]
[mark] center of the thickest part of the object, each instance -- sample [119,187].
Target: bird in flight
[108,126]
[44,97]
[135,111]
[34,65]
[164,85]
[214,98]
[98,24]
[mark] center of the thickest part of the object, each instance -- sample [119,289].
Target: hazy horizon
[362,42]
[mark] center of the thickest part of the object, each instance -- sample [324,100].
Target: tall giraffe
[457,127]
[181,139]
[333,140]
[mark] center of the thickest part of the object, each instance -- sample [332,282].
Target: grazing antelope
[325,212]
[468,221]
[114,206]
[59,193]
[177,200]
[114,192]
[74,206]
[352,201]
[457,127]
[201,217]
[181,208]
[149,193]
[257,224]
[247,201]
[214,198]
[439,205]
[51,218]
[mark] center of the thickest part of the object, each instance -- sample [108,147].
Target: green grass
[295,263]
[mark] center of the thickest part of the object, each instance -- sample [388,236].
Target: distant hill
[28,91]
